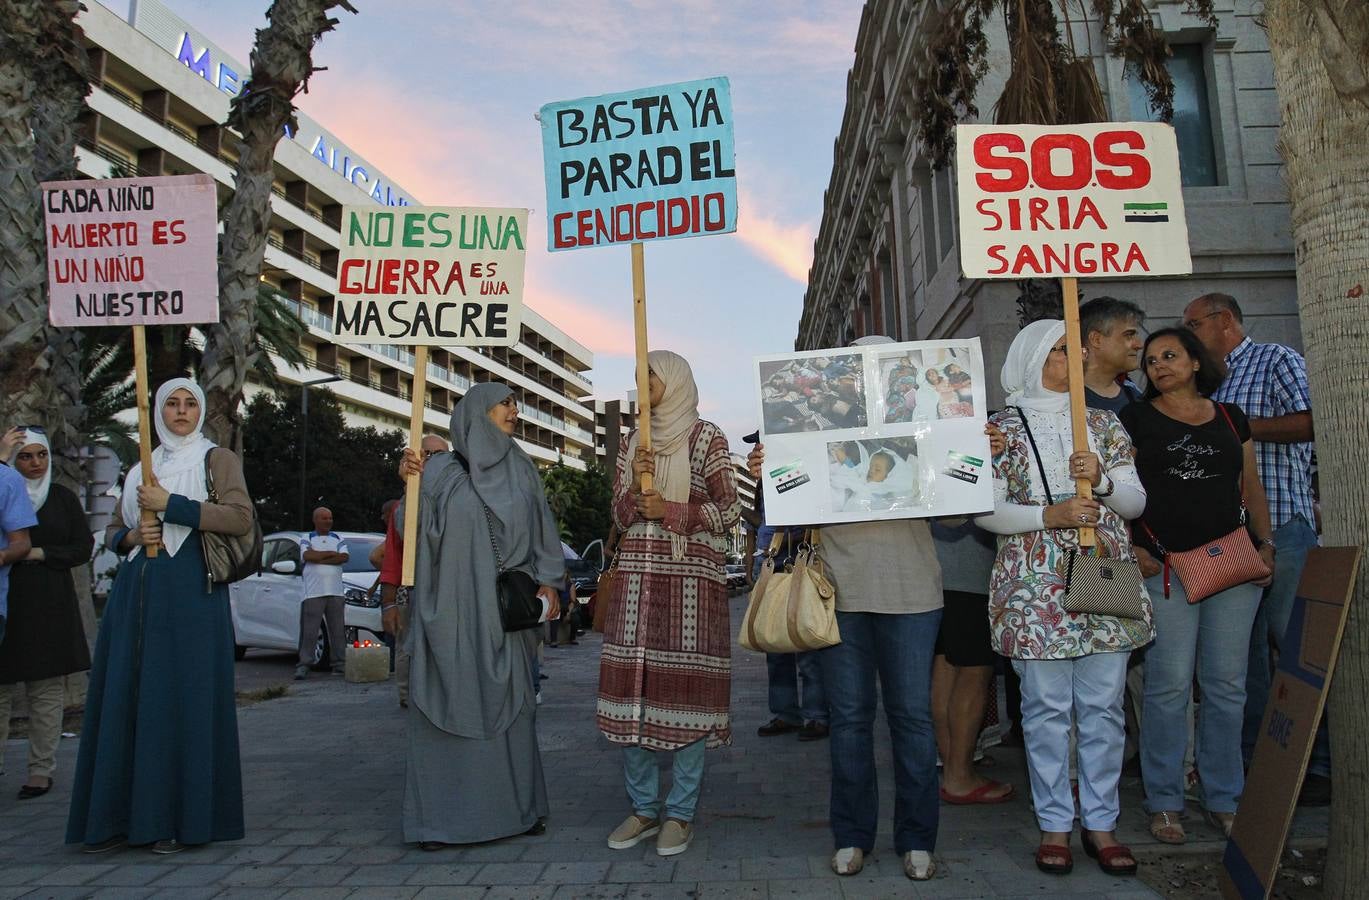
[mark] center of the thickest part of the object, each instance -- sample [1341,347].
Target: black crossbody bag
[519,606]
[1094,585]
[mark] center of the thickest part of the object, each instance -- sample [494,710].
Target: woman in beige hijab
[665,674]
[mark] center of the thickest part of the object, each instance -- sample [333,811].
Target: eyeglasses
[1192,324]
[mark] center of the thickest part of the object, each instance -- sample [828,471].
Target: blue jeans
[784,671]
[899,648]
[1294,538]
[641,772]
[1211,638]
[1086,691]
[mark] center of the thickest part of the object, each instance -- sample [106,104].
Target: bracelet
[1268,542]
[388,608]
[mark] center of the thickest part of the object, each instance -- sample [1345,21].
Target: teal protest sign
[645,165]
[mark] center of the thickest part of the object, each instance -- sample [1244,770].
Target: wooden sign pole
[420,391]
[643,378]
[1074,352]
[144,424]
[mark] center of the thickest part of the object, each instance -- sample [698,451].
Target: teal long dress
[159,744]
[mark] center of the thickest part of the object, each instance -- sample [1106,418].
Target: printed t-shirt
[1191,473]
[321,579]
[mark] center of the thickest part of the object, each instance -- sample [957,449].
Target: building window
[1192,113]
[945,211]
[930,258]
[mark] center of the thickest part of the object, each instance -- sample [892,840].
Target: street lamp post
[304,438]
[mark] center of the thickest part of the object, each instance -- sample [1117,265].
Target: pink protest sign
[132,251]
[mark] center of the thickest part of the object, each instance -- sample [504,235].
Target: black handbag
[1095,585]
[229,557]
[519,606]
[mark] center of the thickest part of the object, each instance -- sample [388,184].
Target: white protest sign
[430,275]
[1070,201]
[132,251]
[886,431]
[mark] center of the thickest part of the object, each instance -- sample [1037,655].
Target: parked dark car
[736,576]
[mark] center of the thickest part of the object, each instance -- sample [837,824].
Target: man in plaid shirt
[1269,383]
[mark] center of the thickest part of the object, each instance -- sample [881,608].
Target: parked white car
[266,605]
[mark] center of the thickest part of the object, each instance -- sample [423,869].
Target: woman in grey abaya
[474,770]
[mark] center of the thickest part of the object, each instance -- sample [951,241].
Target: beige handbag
[792,610]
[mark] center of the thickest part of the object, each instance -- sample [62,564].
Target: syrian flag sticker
[1146,212]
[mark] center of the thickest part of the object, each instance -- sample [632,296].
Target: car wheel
[321,649]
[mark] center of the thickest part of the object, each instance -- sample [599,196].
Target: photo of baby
[927,384]
[877,474]
[820,393]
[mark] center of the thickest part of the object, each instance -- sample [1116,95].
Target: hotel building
[160,93]
[886,260]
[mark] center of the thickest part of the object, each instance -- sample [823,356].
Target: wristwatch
[1268,542]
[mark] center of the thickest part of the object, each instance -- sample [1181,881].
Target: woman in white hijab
[44,640]
[665,673]
[1072,666]
[158,763]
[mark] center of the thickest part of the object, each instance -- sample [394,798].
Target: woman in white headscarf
[44,640]
[158,763]
[1072,666]
[665,674]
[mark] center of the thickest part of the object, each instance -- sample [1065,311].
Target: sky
[440,96]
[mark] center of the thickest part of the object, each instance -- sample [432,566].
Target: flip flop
[980,795]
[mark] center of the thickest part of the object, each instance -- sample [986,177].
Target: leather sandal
[1166,828]
[1107,856]
[1222,821]
[1052,851]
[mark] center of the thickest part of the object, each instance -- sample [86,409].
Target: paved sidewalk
[323,771]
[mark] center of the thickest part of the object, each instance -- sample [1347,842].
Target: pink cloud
[788,248]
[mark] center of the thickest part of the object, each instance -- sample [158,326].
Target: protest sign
[1041,201]
[132,251]
[1091,201]
[887,431]
[1297,700]
[429,275]
[645,165]
[137,252]
[424,275]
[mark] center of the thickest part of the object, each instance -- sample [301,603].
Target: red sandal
[1107,856]
[1046,851]
[980,795]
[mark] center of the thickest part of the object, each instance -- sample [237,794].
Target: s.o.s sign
[1088,201]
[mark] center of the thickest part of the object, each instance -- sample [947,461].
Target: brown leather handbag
[603,591]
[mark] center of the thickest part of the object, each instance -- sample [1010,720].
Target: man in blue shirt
[16,518]
[1269,383]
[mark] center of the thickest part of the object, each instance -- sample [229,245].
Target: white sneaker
[919,865]
[848,860]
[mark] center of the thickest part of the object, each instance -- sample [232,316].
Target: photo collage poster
[887,431]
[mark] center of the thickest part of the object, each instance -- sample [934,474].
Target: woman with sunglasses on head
[1197,462]
[159,763]
[1072,665]
[44,639]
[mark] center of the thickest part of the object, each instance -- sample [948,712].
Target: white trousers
[1086,693]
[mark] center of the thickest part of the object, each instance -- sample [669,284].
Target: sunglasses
[36,429]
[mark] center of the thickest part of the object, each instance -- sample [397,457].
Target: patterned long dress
[1027,586]
[665,677]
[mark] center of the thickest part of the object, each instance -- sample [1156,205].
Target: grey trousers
[402,654]
[312,612]
[45,698]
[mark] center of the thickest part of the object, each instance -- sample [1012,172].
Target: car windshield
[359,553]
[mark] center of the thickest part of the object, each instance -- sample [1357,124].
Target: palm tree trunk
[281,66]
[26,394]
[1321,71]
